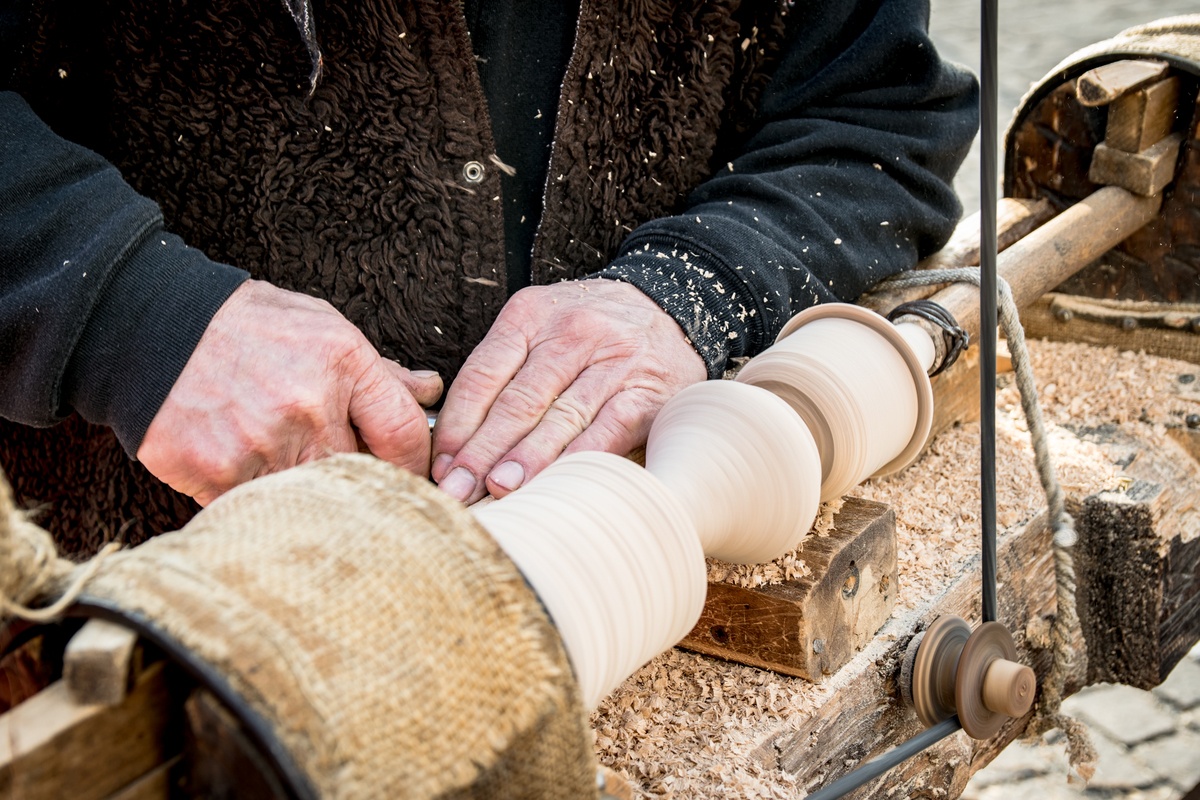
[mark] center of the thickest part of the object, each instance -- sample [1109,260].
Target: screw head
[1187,377]
[1063,315]
[1193,421]
[1128,323]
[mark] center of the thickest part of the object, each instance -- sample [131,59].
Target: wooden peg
[97,663]
[1104,84]
[1142,118]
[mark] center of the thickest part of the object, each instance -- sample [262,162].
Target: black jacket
[738,162]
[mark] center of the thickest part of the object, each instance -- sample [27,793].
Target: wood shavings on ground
[688,726]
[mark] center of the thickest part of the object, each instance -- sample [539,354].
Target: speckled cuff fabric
[388,644]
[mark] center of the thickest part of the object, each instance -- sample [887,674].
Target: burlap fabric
[391,647]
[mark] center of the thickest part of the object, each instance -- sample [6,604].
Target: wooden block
[810,627]
[1105,84]
[51,747]
[1143,118]
[1146,173]
[97,662]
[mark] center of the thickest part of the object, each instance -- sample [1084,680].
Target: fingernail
[509,475]
[440,465]
[423,374]
[459,484]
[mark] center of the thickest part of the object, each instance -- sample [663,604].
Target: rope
[1081,753]
[31,570]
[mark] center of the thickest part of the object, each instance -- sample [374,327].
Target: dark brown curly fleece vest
[359,193]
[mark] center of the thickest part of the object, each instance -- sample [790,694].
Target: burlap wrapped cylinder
[390,646]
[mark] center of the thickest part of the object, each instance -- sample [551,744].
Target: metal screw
[1187,377]
[1192,420]
[1063,314]
[1128,323]
[818,646]
[1195,325]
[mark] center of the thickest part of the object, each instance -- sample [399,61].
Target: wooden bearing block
[1146,173]
[812,626]
[1143,118]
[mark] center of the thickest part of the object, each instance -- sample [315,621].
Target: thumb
[425,385]
[389,420]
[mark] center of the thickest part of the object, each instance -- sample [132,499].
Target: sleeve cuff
[148,320]
[701,293]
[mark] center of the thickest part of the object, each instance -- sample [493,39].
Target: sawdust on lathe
[787,567]
[688,726]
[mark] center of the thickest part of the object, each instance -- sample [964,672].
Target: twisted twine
[31,570]
[1082,754]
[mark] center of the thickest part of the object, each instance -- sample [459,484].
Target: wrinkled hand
[572,366]
[279,379]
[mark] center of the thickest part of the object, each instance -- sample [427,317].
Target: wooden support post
[98,662]
[810,627]
[51,747]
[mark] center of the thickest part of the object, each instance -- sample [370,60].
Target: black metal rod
[988,186]
[873,769]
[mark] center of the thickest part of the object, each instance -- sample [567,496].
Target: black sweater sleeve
[844,180]
[100,307]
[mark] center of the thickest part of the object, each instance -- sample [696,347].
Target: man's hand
[572,366]
[279,379]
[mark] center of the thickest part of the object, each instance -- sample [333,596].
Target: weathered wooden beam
[811,626]
[1139,563]
[98,663]
[51,747]
[1171,330]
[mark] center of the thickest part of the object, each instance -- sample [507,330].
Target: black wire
[873,769]
[987,306]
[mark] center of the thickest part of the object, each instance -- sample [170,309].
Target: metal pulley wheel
[949,670]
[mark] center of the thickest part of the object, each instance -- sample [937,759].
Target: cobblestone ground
[1149,742]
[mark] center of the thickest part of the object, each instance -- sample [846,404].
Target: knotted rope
[31,569]
[1081,753]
